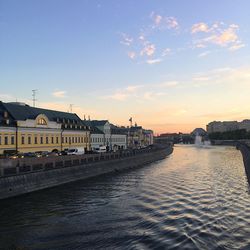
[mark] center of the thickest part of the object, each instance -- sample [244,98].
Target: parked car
[29,154]
[76,151]
[101,149]
[42,153]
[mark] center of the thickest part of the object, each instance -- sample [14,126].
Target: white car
[76,151]
[101,149]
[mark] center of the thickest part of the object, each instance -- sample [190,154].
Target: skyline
[172,66]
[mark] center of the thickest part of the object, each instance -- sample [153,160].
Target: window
[6,140]
[23,140]
[81,139]
[57,140]
[72,139]
[47,140]
[62,139]
[52,140]
[41,140]
[12,140]
[41,121]
[0,140]
[29,140]
[66,139]
[35,139]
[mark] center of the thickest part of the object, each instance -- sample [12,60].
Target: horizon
[169,70]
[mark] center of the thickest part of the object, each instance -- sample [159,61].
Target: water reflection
[198,198]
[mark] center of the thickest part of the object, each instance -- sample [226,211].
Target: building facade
[28,129]
[218,126]
[106,134]
[245,124]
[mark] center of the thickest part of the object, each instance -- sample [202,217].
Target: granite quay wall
[245,151]
[229,142]
[20,176]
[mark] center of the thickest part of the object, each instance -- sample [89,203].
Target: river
[197,198]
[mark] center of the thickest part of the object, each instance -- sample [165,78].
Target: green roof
[22,112]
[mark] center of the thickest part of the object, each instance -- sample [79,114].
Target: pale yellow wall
[81,139]
[7,132]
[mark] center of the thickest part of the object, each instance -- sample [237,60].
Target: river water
[197,198]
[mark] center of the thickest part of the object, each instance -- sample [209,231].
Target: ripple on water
[194,199]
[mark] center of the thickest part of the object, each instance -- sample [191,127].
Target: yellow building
[28,129]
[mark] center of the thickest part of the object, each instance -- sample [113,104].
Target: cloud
[199,27]
[166,52]
[161,22]
[148,96]
[126,39]
[59,94]
[124,94]
[169,84]
[118,96]
[7,97]
[141,45]
[201,78]
[154,61]
[203,54]
[131,55]
[237,46]
[148,50]
[172,22]
[218,34]
[134,88]
[157,19]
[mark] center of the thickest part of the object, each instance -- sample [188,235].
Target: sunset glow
[171,65]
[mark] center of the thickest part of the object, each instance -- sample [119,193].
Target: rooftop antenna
[71,108]
[34,97]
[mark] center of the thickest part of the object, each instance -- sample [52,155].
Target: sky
[170,65]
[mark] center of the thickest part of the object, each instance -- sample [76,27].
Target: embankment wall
[245,151]
[25,176]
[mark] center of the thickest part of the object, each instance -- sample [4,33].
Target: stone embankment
[20,176]
[245,151]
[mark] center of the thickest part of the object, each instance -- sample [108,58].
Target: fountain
[200,143]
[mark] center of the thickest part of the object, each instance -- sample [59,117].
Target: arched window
[41,121]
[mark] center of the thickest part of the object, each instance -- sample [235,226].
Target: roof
[93,129]
[118,130]
[98,123]
[135,128]
[22,112]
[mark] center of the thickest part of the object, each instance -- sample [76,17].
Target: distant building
[148,137]
[245,124]
[119,138]
[217,126]
[135,137]
[168,138]
[97,138]
[106,134]
[29,129]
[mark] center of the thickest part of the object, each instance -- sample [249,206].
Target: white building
[105,134]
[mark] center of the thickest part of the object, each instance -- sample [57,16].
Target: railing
[10,167]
